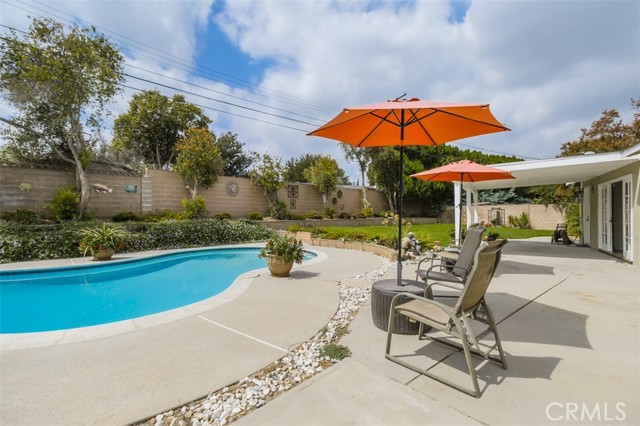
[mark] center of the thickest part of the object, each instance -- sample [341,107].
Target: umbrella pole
[399,206]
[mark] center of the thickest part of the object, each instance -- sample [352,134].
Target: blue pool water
[70,297]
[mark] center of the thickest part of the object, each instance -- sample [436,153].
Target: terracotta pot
[277,266]
[104,254]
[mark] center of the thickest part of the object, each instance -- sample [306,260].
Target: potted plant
[102,241]
[281,252]
[491,236]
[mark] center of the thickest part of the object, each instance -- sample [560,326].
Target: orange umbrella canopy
[409,122]
[463,171]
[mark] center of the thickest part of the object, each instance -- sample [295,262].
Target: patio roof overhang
[560,170]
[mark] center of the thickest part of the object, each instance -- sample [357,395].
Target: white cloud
[548,68]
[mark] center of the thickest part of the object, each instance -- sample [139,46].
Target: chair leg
[475,392]
[494,330]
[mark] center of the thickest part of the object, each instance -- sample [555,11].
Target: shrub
[336,352]
[40,242]
[26,216]
[314,215]
[279,211]
[521,222]
[365,212]
[160,216]
[328,213]
[65,204]
[463,233]
[297,216]
[125,217]
[194,208]
[254,216]
[572,218]
[37,242]
[223,216]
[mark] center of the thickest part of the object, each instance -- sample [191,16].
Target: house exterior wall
[594,228]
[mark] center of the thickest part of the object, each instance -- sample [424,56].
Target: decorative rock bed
[305,361]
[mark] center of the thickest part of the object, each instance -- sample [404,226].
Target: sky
[273,70]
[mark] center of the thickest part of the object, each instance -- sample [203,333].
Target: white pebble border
[230,403]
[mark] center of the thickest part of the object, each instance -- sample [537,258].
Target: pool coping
[19,341]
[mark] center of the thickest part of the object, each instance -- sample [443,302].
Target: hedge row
[40,242]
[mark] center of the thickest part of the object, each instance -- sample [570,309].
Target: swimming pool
[80,296]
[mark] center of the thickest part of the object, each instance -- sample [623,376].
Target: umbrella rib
[382,119]
[419,121]
[501,126]
[325,127]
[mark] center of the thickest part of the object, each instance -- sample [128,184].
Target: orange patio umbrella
[409,122]
[463,171]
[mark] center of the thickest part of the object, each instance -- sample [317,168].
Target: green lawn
[426,234]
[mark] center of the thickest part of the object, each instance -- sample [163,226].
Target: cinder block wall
[163,190]
[541,216]
[45,183]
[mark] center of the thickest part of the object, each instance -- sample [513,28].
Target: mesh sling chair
[457,274]
[460,285]
[454,320]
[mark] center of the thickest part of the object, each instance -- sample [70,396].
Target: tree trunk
[75,144]
[85,190]
[365,200]
[391,199]
[325,197]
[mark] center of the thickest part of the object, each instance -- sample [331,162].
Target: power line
[183,62]
[230,113]
[220,92]
[217,100]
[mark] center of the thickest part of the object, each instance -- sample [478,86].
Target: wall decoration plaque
[232,188]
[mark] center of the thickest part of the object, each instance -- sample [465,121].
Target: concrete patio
[568,318]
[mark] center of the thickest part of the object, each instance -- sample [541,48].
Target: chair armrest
[445,284]
[441,306]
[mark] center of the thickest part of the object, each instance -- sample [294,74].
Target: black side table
[383,291]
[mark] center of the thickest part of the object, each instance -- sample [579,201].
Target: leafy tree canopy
[362,157]
[323,174]
[198,161]
[60,80]
[236,160]
[606,134]
[268,174]
[152,126]
[294,169]
[384,165]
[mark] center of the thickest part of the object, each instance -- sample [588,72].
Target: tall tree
[198,160]
[323,174]
[383,172]
[236,160]
[361,156]
[606,134]
[60,81]
[152,126]
[294,169]
[268,174]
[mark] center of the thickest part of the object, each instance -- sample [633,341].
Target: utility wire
[217,100]
[183,62]
[220,92]
[228,112]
